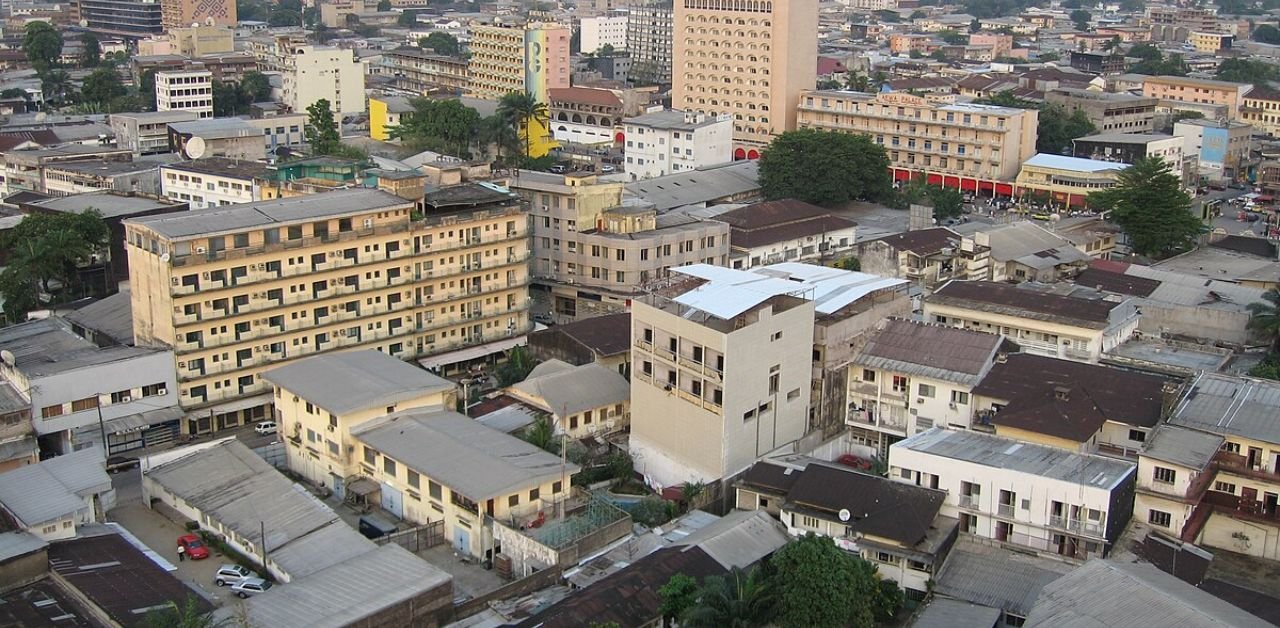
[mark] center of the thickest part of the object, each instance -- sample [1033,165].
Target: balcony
[969,502]
[1005,510]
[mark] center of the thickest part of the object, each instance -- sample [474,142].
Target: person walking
[182,553]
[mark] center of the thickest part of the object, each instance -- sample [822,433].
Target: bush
[650,511]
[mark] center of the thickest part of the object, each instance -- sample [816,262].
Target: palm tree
[740,599]
[521,109]
[691,491]
[1264,318]
[56,85]
[188,615]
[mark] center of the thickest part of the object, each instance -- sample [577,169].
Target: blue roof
[1060,162]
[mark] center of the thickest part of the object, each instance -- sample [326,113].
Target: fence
[416,539]
[534,582]
[273,454]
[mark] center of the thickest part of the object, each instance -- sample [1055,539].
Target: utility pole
[262,531]
[102,427]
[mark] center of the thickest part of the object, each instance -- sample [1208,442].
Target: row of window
[103,400]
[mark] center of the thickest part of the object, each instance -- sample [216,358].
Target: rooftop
[222,166]
[1119,283]
[216,128]
[584,95]
[350,381]
[1231,406]
[1070,399]
[606,335]
[1010,455]
[53,488]
[1009,300]
[110,204]
[234,486]
[293,210]
[877,506]
[110,316]
[1187,80]
[1182,446]
[923,241]
[934,351]
[111,168]
[1126,138]
[1031,245]
[462,454]
[1104,593]
[998,578]
[157,117]
[703,185]
[726,293]
[770,222]
[47,347]
[345,593]
[566,390]
[671,119]
[1073,164]
[833,289]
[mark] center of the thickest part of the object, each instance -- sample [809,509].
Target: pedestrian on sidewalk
[182,553]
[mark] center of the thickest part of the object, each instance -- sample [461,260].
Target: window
[413,478]
[1224,487]
[868,375]
[899,384]
[927,390]
[120,396]
[809,522]
[1159,518]
[434,490]
[533,494]
[333,447]
[1164,475]
[555,487]
[88,403]
[960,398]
[1138,436]
[513,501]
[50,411]
[370,456]
[153,390]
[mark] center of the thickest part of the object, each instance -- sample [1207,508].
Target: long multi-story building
[237,289]
[610,30]
[529,58]
[649,28]
[420,72]
[1196,92]
[186,90]
[132,19]
[666,142]
[312,73]
[722,365]
[966,146]
[748,59]
[1261,109]
[1109,112]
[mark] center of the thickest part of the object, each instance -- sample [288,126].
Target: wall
[425,610]
[131,374]
[524,586]
[1261,541]
[1195,322]
[23,570]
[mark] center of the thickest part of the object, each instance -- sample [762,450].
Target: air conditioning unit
[914,412]
[181,365]
[952,406]
[332,428]
[200,249]
[204,275]
[173,281]
[163,391]
[919,399]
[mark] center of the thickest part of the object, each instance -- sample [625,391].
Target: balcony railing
[968,501]
[1005,510]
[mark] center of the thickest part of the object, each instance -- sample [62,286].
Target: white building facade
[202,189]
[604,30]
[1034,496]
[334,74]
[666,142]
[186,90]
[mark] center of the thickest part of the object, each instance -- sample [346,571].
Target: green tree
[284,17]
[228,100]
[311,17]
[1266,34]
[824,168]
[442,43]
[857,81]
[497,132]
[47,248]
[407,19]
[542,434]
[189,615]
[1081,18]
[740,599]
[1238,70]
[1148,202]
[519,109]
[849,263]
[92,54]
[917,15]
[517,367]
[251,10]
[1179,116]
[384,5]
[1145,52]
[829,84]
[946,202]
[56,86]
[952,37]
[887,597]
[147,88]
[42,43]
[1057,128]
[1264,318]
[256,86]
[102,86]
[820,585]
[678,595]
[322,130]
[690,492]
[13,92]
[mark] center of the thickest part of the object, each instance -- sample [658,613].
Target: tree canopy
[1081,18]
[322,129]
[45,248]
[439,125]
[946,202]
[1148,202]
[42,43]
[441,43]
[1057,127]
[1239,70]
[825,168]
[519,109]
[998,8]
[1266,34]
[1154,63]
[820,585]
[102,86]
[92,54]
[1264,318]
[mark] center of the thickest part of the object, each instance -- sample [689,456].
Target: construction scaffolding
[561,533]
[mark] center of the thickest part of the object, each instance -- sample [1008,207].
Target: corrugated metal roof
[53,488]
[19,543]
[949,354]
[698,186]
[198,222]
[739,539]
[345,593]
[1104,593]
[355,380]
[833,288]
[944,613]
[1011,455]
[237,488]
[47,346]
[1190,448]
[730,292]
[565,389]
[1230,405]
[461,453]
[998,578]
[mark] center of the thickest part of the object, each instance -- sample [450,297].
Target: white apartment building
[605,29]
[321,72]
[212,181]
[663,142]
[721,370]
[185,90]
[1037,497]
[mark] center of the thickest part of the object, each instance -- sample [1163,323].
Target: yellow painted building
[239,289]
[529,58]
[385,113]
[319,400]
[1067,181]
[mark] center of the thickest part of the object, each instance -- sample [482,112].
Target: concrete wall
[426,610]
[1193,322]
[131,374]
[23,570]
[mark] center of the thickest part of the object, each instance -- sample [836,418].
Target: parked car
[607,168]
[559,169]
[116,464]
[373,526]
[600,151]
[250,587]
[231,575]
[266,427]
[193,547]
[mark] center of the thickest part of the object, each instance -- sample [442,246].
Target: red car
[194,548]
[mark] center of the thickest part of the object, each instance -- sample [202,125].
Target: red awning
[935,179]
[619,138]
[1004,189]
[951,182]
[969,184]
[986,185]
[753,154]
[901,175]
[739,154]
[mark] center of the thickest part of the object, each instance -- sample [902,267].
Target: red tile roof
[585,96]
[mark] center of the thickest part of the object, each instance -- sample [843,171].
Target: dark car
[373,526]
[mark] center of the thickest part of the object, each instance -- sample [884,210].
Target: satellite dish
[196,147]
[845,515]
[164,258]
[6,356]
[84,23]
